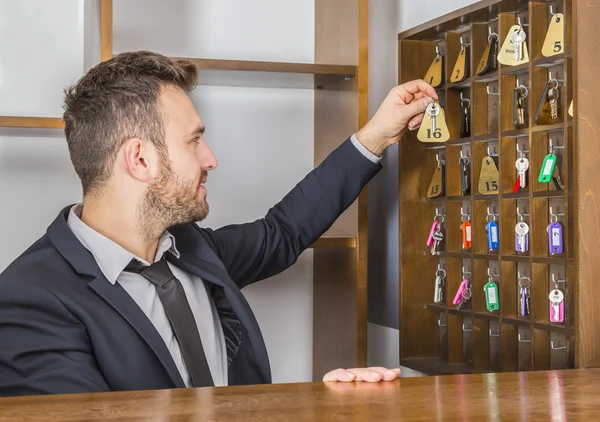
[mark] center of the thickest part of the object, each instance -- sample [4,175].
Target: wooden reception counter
[545,396]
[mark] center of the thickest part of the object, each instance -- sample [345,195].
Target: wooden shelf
[487,316]
[32,122]
[522,322]
[334,243]
[488,256]
[516,70]
[517,133]
[549,260]
[435,307]
[485,138]
[549,61]
[549,194]
[515,258]
[454,254]
[488,77]
[459,85]
[548,326]
[515,195]
[459,198]
[460,141]
[280,67]
[436,366]
[558,127]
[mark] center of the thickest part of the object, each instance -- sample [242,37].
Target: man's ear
[139,159]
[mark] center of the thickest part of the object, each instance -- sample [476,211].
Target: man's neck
[118,223]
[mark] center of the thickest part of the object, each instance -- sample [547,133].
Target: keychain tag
[512,54]
[466,228]
[460,67]
[433,127]
[555,238]
[555,37]
[492,234]
[491,296]
[434,75]
[488,178]
[459,294]
[489,58]
[571,109]
[436,187]
[548,109]
[547,169]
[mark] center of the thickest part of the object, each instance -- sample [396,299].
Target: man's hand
[403,107]
[373,374]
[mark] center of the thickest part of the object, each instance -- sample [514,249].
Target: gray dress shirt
[112,260]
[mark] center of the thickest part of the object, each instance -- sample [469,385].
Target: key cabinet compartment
[518,333]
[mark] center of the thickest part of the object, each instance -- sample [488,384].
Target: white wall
[262,133]
[415,12]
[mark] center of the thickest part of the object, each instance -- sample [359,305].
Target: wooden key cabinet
[440,337]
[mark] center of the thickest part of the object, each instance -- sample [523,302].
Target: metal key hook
[439,217]
[465,272]
[464,101]
[440,273]
[491,93]
[489,152]
[462,43]
[437,158]
[553,147]
[521,151]
[521,215]
[555,281]
[552,12]
[554,215]
[524,90]
[520,279]
[489,214]
[520,23]
[490,275]
[463,215]
[492,35]
[555,80]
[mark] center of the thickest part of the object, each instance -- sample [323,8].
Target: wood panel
[586,62]
[544,395]
[340,277]
[32,122]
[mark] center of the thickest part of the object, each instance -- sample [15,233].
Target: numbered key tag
[492,235]
[488,178]
[555,238]
[460,71]
[557,306]
[435,73]
[436,187]
[571,109]
[491,296]
[547,169]
[489,58]
[434,127]
[466,228]
[555,38]
[507,53]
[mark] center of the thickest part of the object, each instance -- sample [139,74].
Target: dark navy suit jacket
[65,329]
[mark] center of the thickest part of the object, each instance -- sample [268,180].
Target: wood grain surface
[544,395]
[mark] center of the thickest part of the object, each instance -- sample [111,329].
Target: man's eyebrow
[197,132]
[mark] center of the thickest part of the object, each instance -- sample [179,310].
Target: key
[547,170]
[522,166]
[555,238]
[518,38]
[466,228]
[465,185]
[557,180]
[438,296]
[553,97]
[518,109]
[525,292]
[438,236]
[433,112]
[492,233]
[522,237]
[465,122]
[491,296]
[466,296]
[557,305]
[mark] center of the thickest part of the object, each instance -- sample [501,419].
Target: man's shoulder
[37,265]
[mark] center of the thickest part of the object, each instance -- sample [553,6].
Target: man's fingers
[415,122]
[419,85]
[416,108]
[340,375]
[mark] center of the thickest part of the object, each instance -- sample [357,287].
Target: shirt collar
[111,257]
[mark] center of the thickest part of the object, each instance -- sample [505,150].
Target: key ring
[438,215]
[493,35]
[442,271]
[465,100]
[523,94]
[554,218]
[490,215]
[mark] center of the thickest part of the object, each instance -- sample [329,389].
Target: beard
[171,199]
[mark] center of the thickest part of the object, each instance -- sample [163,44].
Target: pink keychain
[459,294]
[434,227]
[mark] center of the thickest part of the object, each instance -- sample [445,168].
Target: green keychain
[491,295]
[547,169]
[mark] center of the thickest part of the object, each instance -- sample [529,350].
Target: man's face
[177,194]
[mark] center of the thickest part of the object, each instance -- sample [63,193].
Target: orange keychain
[466,230]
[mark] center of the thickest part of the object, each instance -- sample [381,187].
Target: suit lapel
[121,302]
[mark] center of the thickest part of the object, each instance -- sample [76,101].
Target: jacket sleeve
[263,248]
[44,349]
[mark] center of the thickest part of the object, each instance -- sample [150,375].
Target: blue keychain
[492,235]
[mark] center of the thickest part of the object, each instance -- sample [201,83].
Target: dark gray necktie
[171,294]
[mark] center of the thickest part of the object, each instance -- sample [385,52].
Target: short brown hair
[117,100]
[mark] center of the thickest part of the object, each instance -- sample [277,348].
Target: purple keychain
[555,238]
